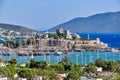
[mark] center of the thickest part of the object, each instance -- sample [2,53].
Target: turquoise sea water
[76,57]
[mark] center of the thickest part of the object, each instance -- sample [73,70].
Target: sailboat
[32,57]
[58,53]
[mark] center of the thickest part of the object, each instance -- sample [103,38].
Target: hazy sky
[44,14]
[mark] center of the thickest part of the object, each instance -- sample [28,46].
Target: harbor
[77,57]
[53,47]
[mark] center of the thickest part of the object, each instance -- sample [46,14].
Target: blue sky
[44,14]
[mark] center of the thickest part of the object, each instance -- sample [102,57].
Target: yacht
[58,53]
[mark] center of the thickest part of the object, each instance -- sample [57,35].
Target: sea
[113,40]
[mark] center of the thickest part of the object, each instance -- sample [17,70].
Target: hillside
[15,28]
[100,23]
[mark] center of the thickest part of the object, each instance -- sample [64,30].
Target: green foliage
[50,75]
[99,63]
[13,61]
[5,72]
[12,69]
[73,75]
[54,36]
[1,60]
[24,73]
[41,68]
[91,68]
[58,67]
[14,43]
[116,76]
[74,38]
[38,64]
[67,64]
[107,65]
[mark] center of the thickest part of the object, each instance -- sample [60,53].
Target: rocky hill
[100,23]
[15,28]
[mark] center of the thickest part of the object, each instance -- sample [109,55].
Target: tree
[53,75]
[38,64]
[34,72]
[73,75]
[41,64]
[74,38]
[32,63]
[24,73]
[112,66]
[67,64]
[12,69]
[5,72]
[99,63]
[50,75]
[1,60]
[58,67]
[13,61]
[56,36]
[91,68]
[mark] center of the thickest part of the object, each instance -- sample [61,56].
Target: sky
[45,14]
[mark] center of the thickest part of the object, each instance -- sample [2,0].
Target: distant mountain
[100,23]
[15,28]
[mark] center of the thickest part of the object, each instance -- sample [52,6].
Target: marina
[76,57]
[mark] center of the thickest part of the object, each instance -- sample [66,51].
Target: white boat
[32,56]
[58,53]
[114,50]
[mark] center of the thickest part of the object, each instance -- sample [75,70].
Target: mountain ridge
[16,28]
[99,23]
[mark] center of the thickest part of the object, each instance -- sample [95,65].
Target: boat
[47,53]
[32,56]
[114,50]
[58,53]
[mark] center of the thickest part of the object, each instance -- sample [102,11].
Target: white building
[3,78]
[2,64]
[68,34]
[22,79]
[85,78]
[99,69]
[39,78]
[63,74]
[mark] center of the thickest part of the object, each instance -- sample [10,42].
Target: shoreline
[49,52]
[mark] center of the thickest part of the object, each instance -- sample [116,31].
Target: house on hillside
[39,78]
[22,79]
[3,78]
[85,78]
[2,64]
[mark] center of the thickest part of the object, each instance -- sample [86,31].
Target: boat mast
[98,55]
[90,57]
[105,56]
[82,57]
[77,58]
[49,58]
[85,60]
